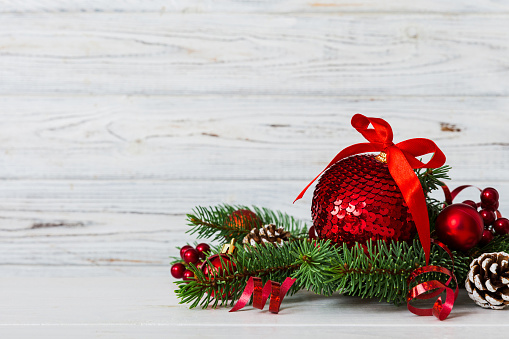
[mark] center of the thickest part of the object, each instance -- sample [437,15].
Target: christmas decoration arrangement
[376,233]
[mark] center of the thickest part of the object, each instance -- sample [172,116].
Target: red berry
[489,196]
[188,275]
[501,226]
[470,203]
[183,250]
[191,256]
[177,270]
[202,249]
[490,207]
[487,237]
[487,216]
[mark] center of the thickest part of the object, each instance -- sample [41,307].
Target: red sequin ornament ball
[357,199]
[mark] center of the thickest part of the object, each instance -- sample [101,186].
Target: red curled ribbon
[275,290]
[401,160]
[432,288]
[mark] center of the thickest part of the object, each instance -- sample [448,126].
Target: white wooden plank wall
[117,117]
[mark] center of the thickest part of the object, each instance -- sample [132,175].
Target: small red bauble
[493,207]
[220,263]
[217,267]
[488,216]
[244,219]
[191,256]
[188,275]
[470,203]
[489,196]
[459,226]
[487,237]
[183,250]
[357,200]
[202,249]
[177,270]
[501,226]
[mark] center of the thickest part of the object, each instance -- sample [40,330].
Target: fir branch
[500,243]
[432,178]
[380,270]
[314,259]
[213,222]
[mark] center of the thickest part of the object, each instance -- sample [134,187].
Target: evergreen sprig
[215,222]
[380,269]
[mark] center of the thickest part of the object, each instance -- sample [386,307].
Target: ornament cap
[229,248]
[382,157]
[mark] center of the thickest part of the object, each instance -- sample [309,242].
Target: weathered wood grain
[117,224]
[259,6]
[218,138]
[260,54]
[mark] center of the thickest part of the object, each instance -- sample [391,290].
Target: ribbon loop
[401,161]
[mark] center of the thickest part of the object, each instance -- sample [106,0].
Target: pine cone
[488,280]
[266,234]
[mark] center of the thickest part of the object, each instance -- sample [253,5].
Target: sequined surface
[356,199]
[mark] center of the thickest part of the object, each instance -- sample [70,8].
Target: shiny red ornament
[501,226]
[487,237]
[488,216]
[459,226]
[188,275]
[177,270]
[489,196]
[220,263]
[244,219]
[202,249]
[183,250]
[191,256]
[357,200]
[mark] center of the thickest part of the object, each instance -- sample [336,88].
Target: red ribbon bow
[401,160]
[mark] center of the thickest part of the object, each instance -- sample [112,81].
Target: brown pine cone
[266,234]
[488,280]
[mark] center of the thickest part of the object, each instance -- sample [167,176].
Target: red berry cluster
[489,206]
[191,256]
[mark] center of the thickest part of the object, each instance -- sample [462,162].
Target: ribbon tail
[349,151]
[410,186]
[246,295]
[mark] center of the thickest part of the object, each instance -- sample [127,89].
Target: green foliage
[380,269]
[499,244]
[214,222]
[314,261]
[432,178]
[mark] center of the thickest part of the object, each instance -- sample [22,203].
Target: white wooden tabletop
[118,117]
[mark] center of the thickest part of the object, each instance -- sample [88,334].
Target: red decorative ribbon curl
[432,288]
[401,160]
[275,290]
